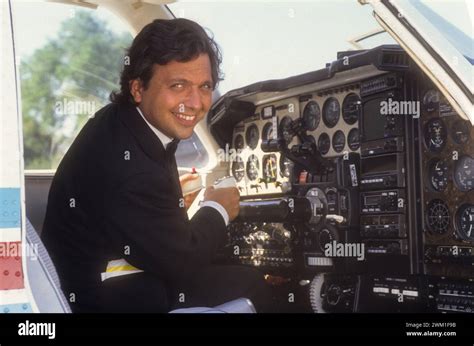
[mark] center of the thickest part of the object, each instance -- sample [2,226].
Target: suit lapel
[147,140]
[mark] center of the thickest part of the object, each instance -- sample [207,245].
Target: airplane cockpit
[356,177]
[363,209]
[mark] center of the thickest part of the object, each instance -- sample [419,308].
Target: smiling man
[116,223]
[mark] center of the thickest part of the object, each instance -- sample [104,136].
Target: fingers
[183,179]
[189,199]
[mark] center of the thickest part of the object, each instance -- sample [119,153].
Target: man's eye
[207,87]
[177,86]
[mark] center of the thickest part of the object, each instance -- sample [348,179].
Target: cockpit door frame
[399,21]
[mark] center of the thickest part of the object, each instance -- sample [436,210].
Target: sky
[271,39]
[260,40]
[36,21]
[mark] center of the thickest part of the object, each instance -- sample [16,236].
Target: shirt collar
[164,139]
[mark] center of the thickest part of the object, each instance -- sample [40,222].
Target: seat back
[37,187]
[42,275]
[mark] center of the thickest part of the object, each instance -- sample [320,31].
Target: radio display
[372,200]
[378,164]
[373,122]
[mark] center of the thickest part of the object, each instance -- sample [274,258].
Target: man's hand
[227,197]
[190,197]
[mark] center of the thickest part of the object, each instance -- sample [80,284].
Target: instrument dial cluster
[332,119]
[447,148]
[258,172]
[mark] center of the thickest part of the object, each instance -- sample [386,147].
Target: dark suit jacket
[116,194]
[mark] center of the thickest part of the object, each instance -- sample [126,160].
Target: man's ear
[136,89]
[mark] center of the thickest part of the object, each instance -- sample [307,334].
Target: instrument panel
[257,172]
[330,118]
[396,182]
[448,173]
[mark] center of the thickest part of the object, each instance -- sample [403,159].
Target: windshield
[453,20]
[262,40]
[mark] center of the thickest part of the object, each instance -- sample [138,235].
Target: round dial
[285,130]
[286,167]
[353,139]
[351,108]
[435,135]
[437,216]
[438,175]
[238,169]
[460,132]
[324,143]
[338,141]
[239,142]
[465,222]
[267,132]
[464,173]
[270,168]
[253,167]
[251,136]
[334,294]
[311,116]
[431,100]
[325,237]
[331,112]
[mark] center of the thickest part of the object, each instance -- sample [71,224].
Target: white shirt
[165,140]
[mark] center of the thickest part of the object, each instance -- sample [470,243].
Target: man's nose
[194,99]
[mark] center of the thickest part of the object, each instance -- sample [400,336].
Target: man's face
[178,96]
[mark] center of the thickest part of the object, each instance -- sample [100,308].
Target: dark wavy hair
[161,42]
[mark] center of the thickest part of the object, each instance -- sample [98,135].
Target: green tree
[81,65]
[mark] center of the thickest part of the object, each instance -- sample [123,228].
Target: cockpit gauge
[351,107]
[267,132]
[324,143]
[460,132]
[285,129]
[437,216]
[435,134]
[253,167]
[238,169]
[464,173]
[338,141]
[311,116]
[252,136]
[353,139]
[326,236]
[286,166]
[239,142]
[438,175]
[270,168]
[331,112]
[465,222]
[431,100]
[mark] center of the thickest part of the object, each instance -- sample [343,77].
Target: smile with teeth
[185,117]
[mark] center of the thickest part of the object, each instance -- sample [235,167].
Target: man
[116,223]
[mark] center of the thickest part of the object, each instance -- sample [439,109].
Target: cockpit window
[263,40]
[451,19]
[70,59]
[191,153]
